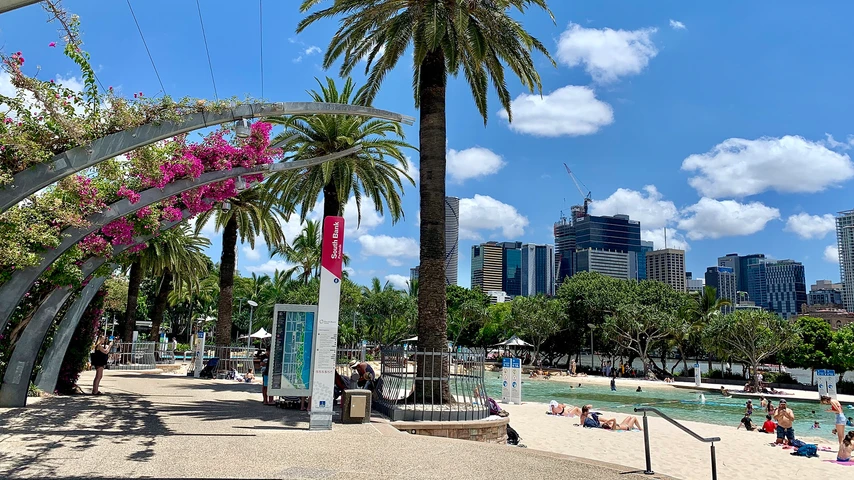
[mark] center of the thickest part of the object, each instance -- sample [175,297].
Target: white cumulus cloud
[391,248]
[606,54]
[648,207]
[711,218]
[739,168]
[675,239]
[484,213]
[399,282]
[411,169]
[809,226]
[370,218]
[831,254]
[270,266]
[677,25]
[252,254]
[473,163]
[312,50]
[568,111]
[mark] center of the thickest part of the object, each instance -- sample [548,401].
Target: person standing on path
[613,384]
[840,420]
[98,359]
[785,418]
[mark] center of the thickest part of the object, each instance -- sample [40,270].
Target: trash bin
[356,406]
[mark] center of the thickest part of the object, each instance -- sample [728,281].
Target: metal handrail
[710,440]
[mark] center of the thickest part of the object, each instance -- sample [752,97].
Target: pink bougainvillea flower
[51,44]
[126,192]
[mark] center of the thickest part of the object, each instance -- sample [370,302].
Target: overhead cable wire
[261,36]
[207,50]
[139,29]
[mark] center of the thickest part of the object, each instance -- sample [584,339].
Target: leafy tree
[375,172]
[537,318]
[813,351]
[463,320]
[751,336]
[250,215]
[842,348]
[479,38]
[638,327]
[498,324]
[117,294]
[176,254]
[388,313]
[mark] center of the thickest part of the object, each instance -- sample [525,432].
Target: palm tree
[247,216]
[305,251]
[376,171]
[176,256]
[705,306]
[135,277]
[477,37]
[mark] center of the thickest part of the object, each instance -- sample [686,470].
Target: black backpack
[512,436]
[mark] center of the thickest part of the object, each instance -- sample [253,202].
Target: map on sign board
[294,329]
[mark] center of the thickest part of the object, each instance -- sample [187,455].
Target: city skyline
[746,157]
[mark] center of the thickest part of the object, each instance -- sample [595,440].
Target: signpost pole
[328,304]
[200,354]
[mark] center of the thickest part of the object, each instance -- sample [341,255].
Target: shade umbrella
[261,333]
[411,340]
[513,341]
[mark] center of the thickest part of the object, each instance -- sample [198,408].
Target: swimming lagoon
[681,404]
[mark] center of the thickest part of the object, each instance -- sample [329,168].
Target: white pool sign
[511,376]
[826,380]
[199,355]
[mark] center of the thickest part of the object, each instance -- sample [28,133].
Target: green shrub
[845,387]
[34,391]
[720,375]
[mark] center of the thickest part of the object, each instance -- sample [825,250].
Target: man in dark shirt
[746,422]
[366,374]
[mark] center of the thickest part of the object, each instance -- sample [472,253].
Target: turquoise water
[681,404]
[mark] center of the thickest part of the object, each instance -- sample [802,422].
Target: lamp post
[252,305]
[591,326]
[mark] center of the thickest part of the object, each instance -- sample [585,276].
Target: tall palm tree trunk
[432,324]
[331,202]
[160,303]
[226,282]
[133,297]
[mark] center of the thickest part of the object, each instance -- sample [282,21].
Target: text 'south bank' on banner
[331,267]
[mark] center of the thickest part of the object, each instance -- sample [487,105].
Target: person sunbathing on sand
[845,448]
[564,410]
[593,420]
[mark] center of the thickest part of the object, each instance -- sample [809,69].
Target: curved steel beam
[16,381]
[66,163]
[55,354]
[52,361]
[9,5]
[14,289]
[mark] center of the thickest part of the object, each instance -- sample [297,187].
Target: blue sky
[727,125]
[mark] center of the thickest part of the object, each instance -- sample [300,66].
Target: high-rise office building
[757,283]
[693,284]
[740,265]
[413,274]
[452,239]
[615,239]
[511,268]
[621,265]
[486,263]
[724,281]
[845,245]
[787,287]
[537,270]
[646,246]
[667,266]
[564,250]
[825,292]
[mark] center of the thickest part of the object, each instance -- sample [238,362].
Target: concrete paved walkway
[165,426]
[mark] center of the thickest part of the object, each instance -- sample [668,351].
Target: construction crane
[580,211]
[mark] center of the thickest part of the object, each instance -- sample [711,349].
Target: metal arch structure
[76,159]
[22,280]
[9,5]
[13,392]
[16,381]
[55,354]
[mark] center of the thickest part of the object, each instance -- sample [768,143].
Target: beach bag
[808,450]
[512,436]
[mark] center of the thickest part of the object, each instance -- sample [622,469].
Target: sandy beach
[741,455]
